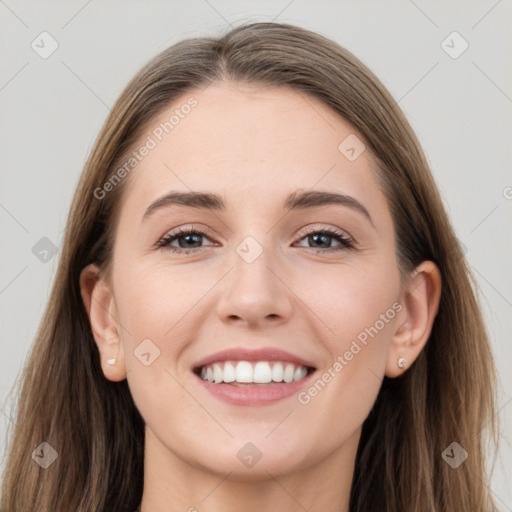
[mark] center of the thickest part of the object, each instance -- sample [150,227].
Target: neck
[173,485]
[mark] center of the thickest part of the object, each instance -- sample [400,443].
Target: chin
[254,460]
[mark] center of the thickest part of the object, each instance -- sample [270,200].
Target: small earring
[111,362]
[401,362]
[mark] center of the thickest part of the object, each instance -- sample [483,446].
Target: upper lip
[260,354]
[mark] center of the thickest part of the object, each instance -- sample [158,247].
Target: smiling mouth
[254,373]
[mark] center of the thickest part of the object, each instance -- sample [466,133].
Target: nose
[255,293]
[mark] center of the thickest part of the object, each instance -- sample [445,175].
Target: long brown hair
[448,394]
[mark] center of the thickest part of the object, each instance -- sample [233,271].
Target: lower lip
[254,396]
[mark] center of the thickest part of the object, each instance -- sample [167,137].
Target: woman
[256,370]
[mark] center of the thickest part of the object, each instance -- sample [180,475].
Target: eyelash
[346,241]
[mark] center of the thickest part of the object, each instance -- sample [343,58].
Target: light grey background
[53,108]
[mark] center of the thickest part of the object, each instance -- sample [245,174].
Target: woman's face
[262,292]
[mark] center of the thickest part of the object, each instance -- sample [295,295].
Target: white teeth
[218,375]
[260,372]
[288,372]
[244,372]
[277,372]
[229,372]
[300,373]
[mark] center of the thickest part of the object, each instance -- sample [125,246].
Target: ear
[420,301]
[101,310]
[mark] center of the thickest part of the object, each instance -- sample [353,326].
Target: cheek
[344,391]
[156,307]
[360,313]
[154,301]
[353,304]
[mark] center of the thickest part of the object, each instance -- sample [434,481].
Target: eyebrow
[295,201]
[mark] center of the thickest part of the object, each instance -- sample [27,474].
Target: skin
[254,146]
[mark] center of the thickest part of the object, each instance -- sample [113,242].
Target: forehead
[250,142]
